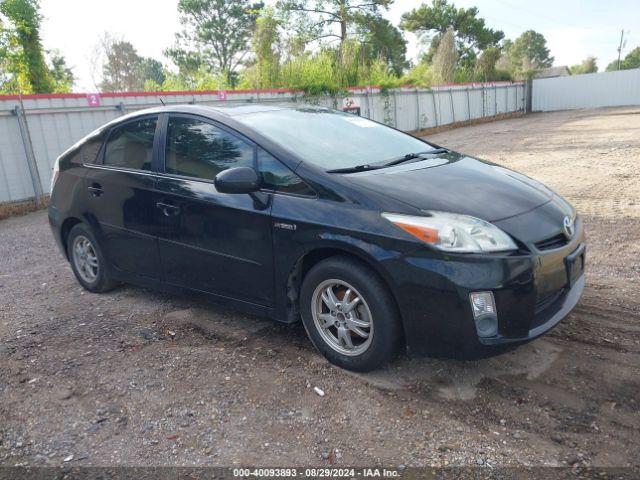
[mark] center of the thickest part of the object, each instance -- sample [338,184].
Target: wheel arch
[317,254]
[65,229]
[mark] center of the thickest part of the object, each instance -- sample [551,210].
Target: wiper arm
[413,156]
[357,168]
[395,161]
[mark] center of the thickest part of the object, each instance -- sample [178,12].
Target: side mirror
[237,180]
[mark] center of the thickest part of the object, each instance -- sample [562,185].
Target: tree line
[313,45]
[24,64]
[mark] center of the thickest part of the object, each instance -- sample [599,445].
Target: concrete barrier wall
[35,129]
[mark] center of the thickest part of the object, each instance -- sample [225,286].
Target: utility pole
[620,47]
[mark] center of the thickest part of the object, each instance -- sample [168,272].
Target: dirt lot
[135,377]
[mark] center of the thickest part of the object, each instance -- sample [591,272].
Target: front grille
[557,241]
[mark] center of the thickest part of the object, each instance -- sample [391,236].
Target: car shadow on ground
[453,372]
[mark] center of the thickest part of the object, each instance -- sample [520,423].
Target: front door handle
[96,189]
[168,210]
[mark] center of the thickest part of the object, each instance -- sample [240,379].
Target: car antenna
[162,102]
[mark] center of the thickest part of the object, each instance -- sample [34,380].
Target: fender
[329,244]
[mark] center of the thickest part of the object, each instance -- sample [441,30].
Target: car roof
[226,109]
[218,112]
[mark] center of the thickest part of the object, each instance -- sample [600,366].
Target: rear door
[210,241]
[120,194]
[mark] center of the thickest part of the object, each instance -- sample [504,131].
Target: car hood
[458,184]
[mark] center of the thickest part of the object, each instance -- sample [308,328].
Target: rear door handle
[168,210]
[96,190]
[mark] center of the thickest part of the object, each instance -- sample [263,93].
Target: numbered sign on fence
[93,99]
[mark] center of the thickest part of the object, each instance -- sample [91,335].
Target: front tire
[349,314]
[87,260]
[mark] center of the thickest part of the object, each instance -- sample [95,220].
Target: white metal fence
[592,90]
[34,131]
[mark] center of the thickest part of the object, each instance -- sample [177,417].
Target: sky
[574,29]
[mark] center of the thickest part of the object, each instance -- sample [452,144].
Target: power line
[531,12]
[499,21]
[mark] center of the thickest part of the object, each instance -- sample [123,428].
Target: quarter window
[89,151]
[131,145]
[202,150]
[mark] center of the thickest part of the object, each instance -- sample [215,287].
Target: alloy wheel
[342,317]
[85,259]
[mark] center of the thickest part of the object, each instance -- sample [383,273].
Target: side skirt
[240,305]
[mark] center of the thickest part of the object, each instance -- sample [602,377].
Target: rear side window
[202,150]
[131,145]
[277,177]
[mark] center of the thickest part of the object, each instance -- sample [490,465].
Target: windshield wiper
[413,156]
[357,168]
[389,163]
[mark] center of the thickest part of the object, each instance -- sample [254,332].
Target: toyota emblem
[569,228]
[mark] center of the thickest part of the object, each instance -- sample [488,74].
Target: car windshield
[331,139]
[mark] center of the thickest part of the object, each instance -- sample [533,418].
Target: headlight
[454,233]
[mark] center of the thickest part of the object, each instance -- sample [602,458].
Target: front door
[210,241]
[119,198]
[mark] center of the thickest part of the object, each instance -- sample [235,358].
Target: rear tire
[87,260]
[350,315]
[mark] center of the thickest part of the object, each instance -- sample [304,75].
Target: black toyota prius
[377,240]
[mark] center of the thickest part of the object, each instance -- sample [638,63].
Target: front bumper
[550,317]
[533,292]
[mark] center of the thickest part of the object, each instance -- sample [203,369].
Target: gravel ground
[135,377]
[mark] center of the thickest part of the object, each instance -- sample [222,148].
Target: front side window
[277,177]
[131,145]
[202,150]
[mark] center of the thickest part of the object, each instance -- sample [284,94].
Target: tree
[632,60]
[24,67]
[322,19]
[150,69]
[504,62]
[529,53]
[265,47]
[216,35]
[486,64]
[420,74]
[382,41]
[445,58]
[61,73]
[432,21]
[8,81]
[588,65]
[123,69]
[23,51]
